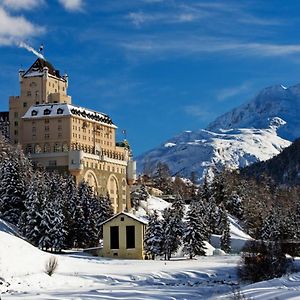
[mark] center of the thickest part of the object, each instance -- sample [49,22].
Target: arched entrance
[113,191]
[91,179]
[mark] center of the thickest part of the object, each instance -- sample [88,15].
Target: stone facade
[59,135]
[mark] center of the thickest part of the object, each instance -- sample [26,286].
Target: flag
[41,48]
[124,131]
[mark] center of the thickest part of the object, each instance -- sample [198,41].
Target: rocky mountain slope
[255,131]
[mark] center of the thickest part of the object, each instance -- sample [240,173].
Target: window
[16,123]
[47,112]
[65,147]
[46,121]
[57,147]
[114,237]
[47,136]
[34,113]
[33,129]
[25,105]
[47,147]
[47,128]
[16,114]
[60,111]
[130,237]
[28,93]
[37,148]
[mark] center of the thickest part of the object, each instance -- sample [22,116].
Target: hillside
[283,168]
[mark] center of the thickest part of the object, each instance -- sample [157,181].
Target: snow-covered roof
[132,216]
[62,109]
[37,69]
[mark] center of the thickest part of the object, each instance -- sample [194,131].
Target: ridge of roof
[132,216]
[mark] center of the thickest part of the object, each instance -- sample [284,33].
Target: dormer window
[60,111]
[34,113]
[47,112]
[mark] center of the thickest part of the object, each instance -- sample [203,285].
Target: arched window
[37,148]
[65,147]
[47,148]
[57,147]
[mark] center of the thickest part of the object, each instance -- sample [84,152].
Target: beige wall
[122,252]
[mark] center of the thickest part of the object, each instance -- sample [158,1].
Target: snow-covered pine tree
[53,219]
[168,234]
[31,218]
[195,232]
[89,233]
[139,194]
[213,217]
[154,236]
[104,211]
[15,173]
[72,211]
[225,230]
[271,227]
[173,227]
[218,188]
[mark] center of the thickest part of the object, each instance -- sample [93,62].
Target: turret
[21,74]
[66,78]
[45,72]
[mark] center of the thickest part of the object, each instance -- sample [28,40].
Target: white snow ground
[84,277]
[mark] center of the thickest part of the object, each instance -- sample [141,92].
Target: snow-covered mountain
[201,151]
[255,131]
[274,101]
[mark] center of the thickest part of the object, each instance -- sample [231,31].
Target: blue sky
[157,67]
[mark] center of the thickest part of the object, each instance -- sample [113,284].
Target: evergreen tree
[225,230]
[154,236]
[195,233]
[139,194]
[15,173]
[72,212]
[52,225]
[31,218]
[173,227]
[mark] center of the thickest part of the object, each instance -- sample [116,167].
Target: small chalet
[123,236]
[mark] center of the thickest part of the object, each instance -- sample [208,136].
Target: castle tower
[58,135]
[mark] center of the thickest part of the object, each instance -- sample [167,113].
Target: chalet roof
[63,109]
[132,216]
[37,69]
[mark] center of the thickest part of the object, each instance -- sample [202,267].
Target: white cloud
[139,18]
[187,45]
[227,93]
[199,111]
[14,29]
[21,4]
[72,5]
